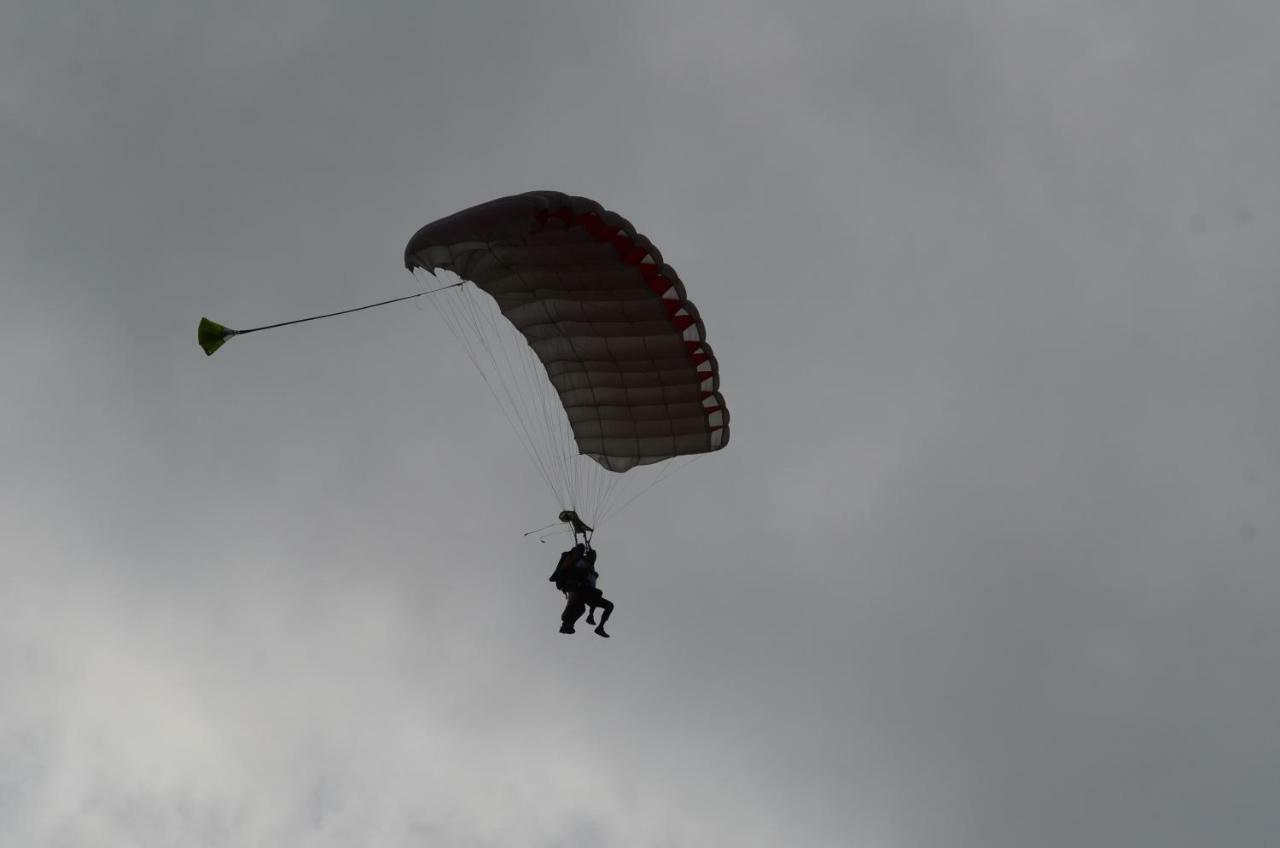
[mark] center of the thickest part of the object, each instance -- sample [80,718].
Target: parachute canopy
[623,348]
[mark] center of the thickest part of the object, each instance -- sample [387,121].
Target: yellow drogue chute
[213,335]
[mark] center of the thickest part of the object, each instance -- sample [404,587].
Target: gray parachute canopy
[624,349]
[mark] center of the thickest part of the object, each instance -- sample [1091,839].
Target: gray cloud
[989,562]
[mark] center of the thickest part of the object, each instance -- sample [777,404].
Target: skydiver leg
[573,610]
[607,606]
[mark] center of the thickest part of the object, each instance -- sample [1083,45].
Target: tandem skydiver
[575,575]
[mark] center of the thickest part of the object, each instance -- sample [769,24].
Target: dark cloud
[995,311]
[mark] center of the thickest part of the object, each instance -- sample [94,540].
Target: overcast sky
[991,561]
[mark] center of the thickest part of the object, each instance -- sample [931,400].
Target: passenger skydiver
[593,597]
